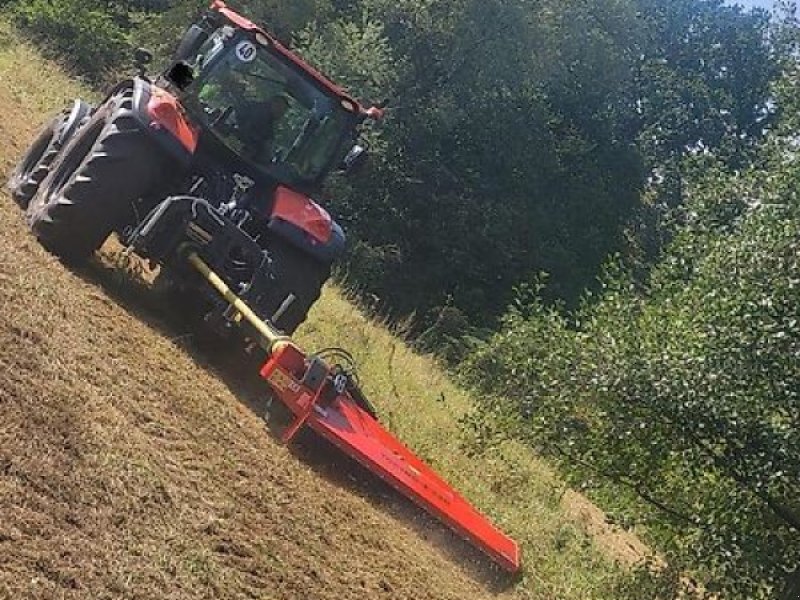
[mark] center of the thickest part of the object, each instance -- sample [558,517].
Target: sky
[753,3]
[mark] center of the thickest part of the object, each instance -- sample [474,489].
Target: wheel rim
[66,168]
[35,155]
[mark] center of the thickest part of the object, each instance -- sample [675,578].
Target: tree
[680,404]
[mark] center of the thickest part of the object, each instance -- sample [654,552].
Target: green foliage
[684,397]
[483,144]
[355,52]
[529,130]
[696,85]
[84,35]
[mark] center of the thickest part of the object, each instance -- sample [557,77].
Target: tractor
[221,153]
[208,172]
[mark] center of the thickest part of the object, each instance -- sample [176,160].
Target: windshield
[265,111]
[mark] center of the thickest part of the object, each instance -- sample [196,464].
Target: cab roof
[248,25]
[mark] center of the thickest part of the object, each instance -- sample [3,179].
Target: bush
[81,34]
[679,406]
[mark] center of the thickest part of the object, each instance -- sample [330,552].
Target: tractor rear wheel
[297,274]
[35,165]
[101,172]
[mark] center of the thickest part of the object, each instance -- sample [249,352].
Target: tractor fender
[306,225]
[160,114]
[77,116]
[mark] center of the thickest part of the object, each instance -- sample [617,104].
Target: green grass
[423,407]
[415,397]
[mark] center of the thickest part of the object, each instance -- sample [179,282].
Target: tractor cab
[262,103]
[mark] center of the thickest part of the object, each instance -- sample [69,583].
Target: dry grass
[132,466]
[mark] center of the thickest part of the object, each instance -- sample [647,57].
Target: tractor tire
[35,165]
[298,274]
[91,188]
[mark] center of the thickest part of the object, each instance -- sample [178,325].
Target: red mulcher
[340,419]
[208,171]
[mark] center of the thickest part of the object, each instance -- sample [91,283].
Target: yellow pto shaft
[272,338]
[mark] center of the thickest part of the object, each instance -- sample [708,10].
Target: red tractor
[221,152]
[207,172]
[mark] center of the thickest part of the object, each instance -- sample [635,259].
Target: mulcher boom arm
[318,397]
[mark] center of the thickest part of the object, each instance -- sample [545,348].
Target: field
[134,465]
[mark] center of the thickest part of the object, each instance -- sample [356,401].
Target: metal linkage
[270,335]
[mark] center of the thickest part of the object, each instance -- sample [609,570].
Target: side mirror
[141,60]
[192,40]
[355,160]
[181,75]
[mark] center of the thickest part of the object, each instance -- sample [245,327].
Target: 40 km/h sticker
[246,52]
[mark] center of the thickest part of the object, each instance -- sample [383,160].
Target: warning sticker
[282,382]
